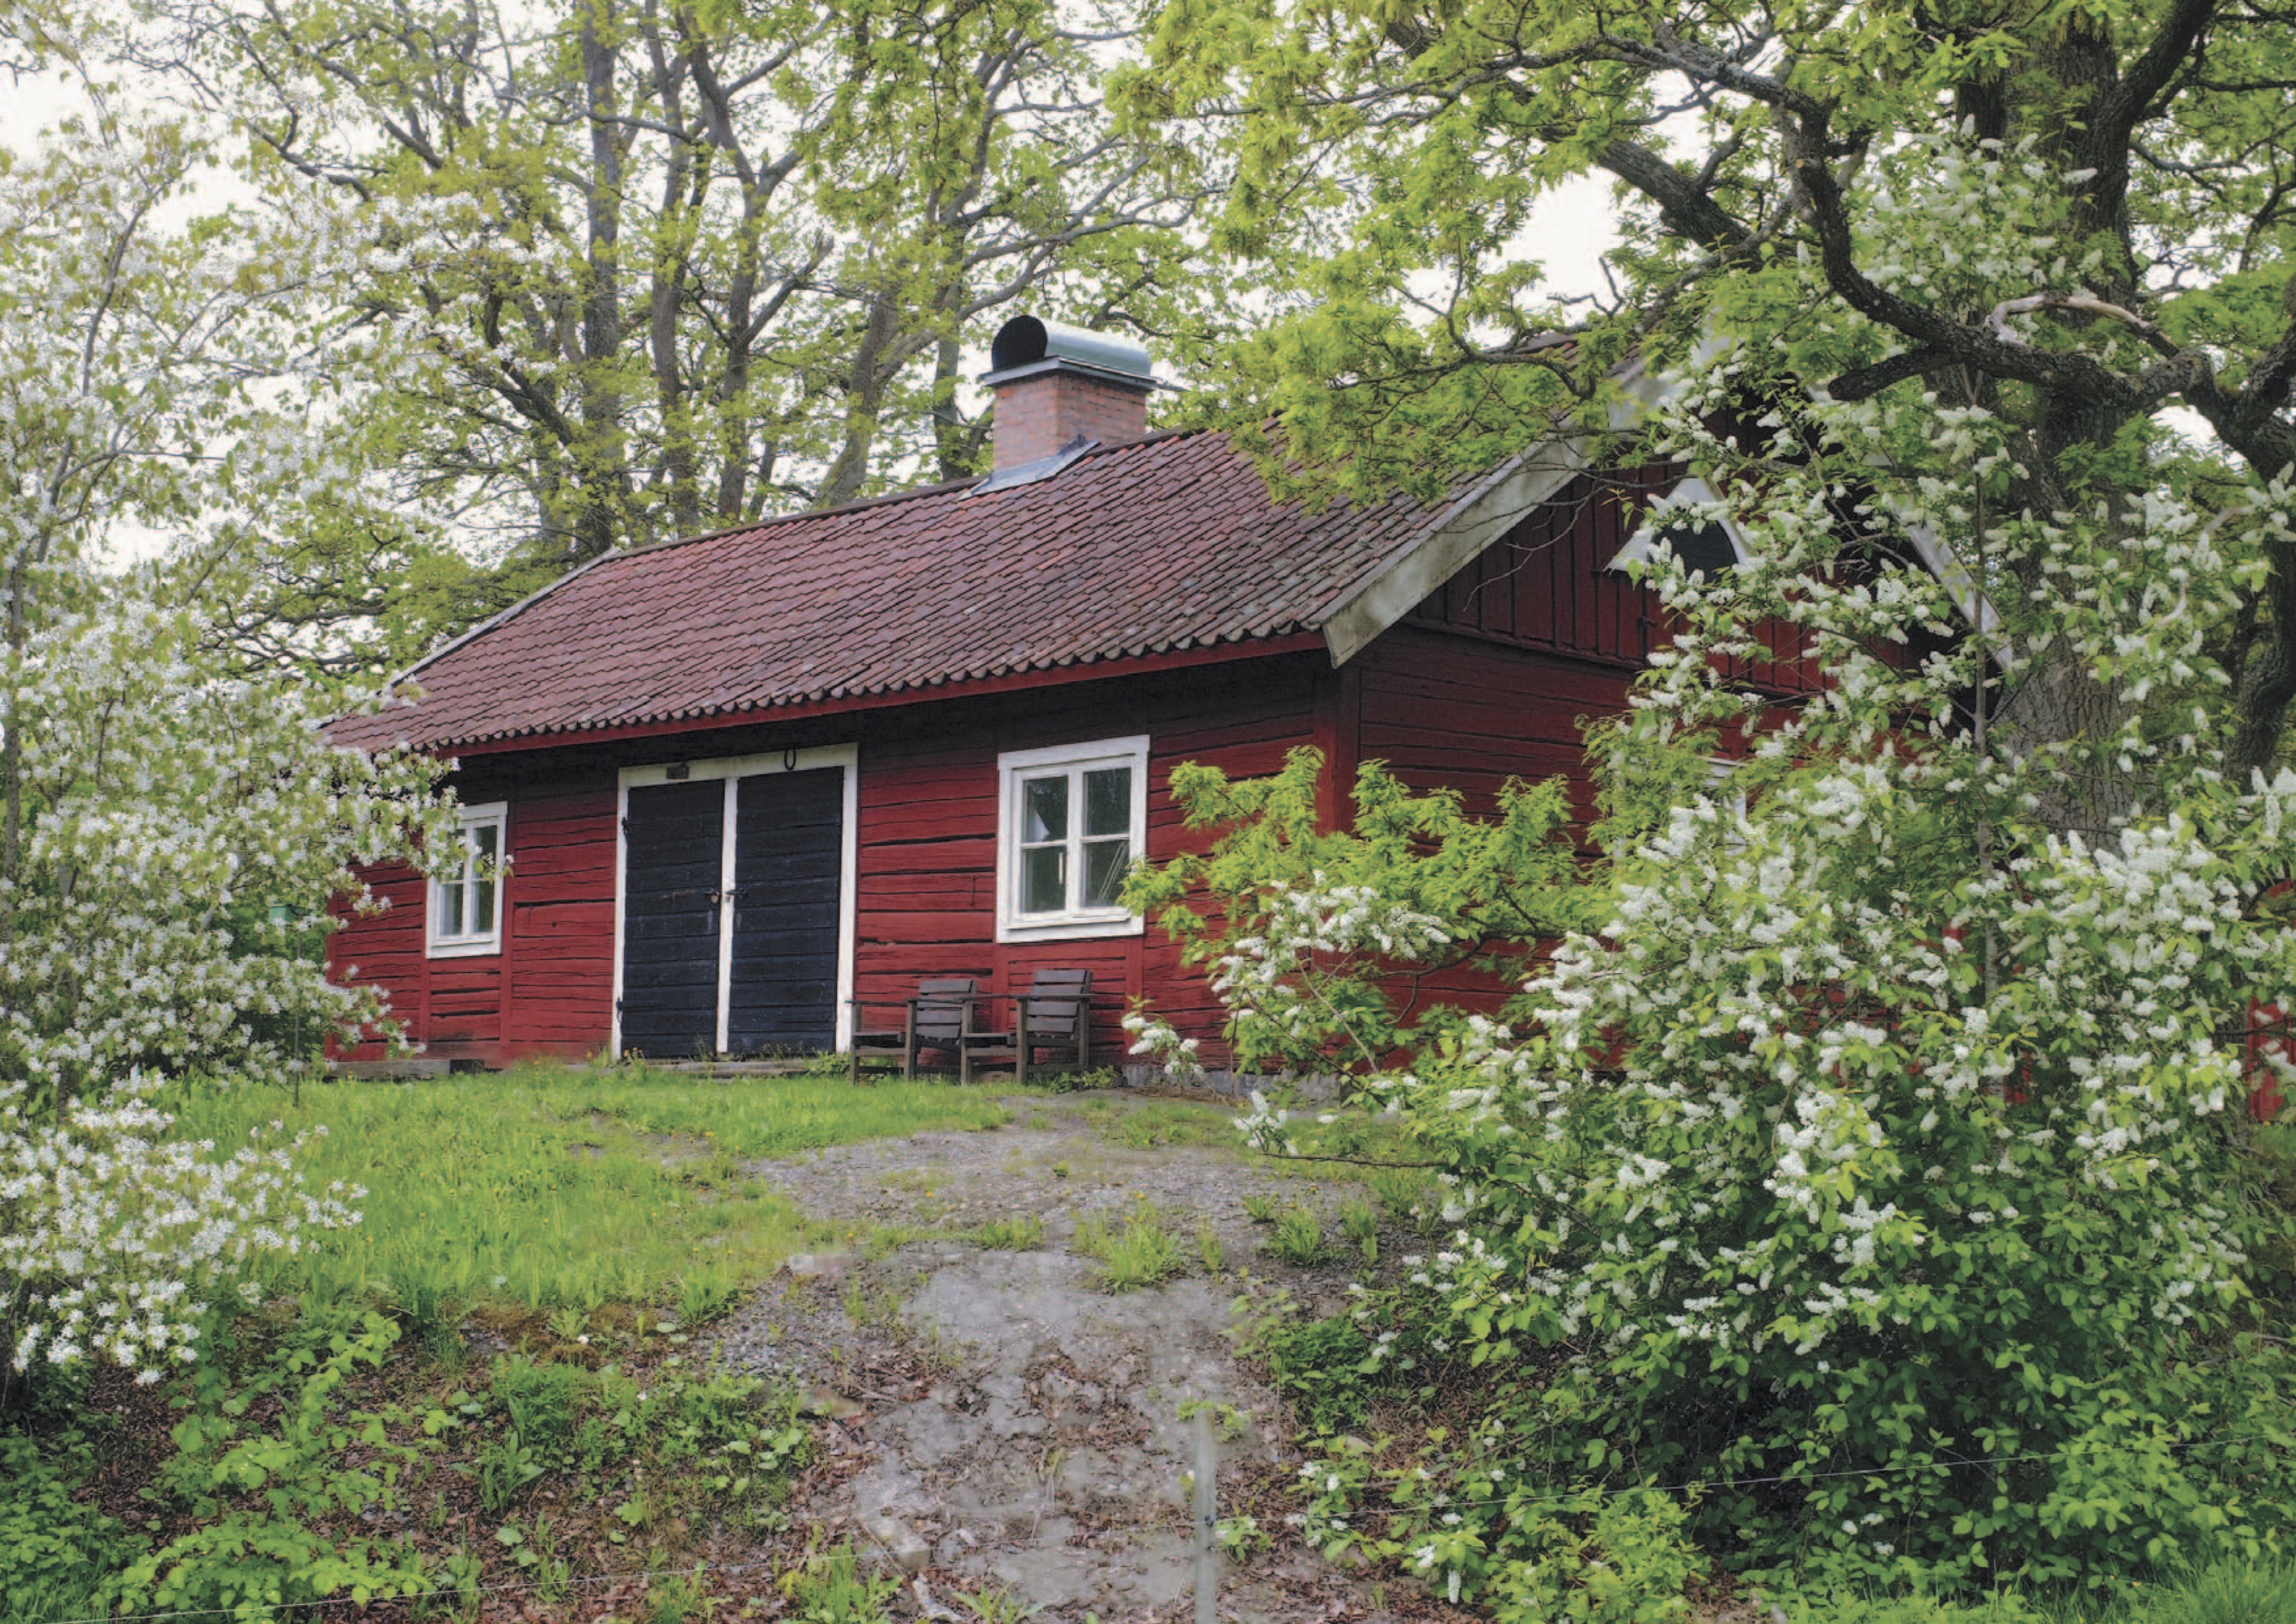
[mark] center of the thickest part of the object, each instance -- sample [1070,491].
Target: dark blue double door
[730,945]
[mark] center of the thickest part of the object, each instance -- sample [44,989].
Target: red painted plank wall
[927,859]
[1546,586]
[928,830]
[1444,711]
[1450,710]
[550,991]
[384,951]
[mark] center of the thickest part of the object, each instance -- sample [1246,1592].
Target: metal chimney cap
[1025,346]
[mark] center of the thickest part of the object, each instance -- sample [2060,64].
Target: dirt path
[1012,1421]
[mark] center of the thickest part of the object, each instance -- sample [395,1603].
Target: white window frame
[489,814]
[730,770]
[1691,492]
[1015,767]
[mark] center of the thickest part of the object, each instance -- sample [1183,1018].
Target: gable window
[1706,546]
[466,907]
[1070,823]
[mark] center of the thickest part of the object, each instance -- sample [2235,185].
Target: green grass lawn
[553,1186]
[548,1186]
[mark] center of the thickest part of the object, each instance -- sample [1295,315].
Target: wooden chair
[1054,1013]
[939,1017]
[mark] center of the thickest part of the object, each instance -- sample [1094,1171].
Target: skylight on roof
[1706,546]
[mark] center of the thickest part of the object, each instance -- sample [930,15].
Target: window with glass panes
[1072,827]
[465,907]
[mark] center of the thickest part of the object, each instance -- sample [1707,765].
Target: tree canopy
[2069,221]
[669,268]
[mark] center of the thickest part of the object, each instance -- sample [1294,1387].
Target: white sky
[33,104]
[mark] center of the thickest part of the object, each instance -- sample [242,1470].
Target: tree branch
[1683,203]
[1960,343]
[1863,382]
[1998,321]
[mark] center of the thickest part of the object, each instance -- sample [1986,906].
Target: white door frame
[732,770]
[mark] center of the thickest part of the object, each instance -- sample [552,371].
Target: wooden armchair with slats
[939,1018]
[1054,1015]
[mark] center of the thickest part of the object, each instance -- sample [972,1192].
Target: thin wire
[529,1583]
[698,1569]
[1814,1476]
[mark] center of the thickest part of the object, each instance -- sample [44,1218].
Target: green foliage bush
[1493,886]
[1777,1190]
[60,1557]
[1597,1558]
[1533,1554]
[1323,1365]
[277,1469]
[269,1498]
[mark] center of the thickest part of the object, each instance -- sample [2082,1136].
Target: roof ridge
[769,521]
[390,686]
[940,488]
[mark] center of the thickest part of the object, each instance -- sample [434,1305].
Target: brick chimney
[1056,384]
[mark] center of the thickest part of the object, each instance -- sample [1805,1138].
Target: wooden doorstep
[732,1068]
[404,1069]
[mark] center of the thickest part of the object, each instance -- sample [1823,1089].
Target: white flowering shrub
[173,832]
[1929,1267]
[163,808]
[116,1231]
[1873,1171]
[1894,1206]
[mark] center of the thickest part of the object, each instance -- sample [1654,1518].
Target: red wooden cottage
[925,734]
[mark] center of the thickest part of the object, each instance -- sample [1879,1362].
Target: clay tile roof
[1166,543]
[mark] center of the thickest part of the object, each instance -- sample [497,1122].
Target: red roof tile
[1166,543]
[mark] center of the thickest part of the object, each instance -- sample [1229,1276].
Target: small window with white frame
[466,904]
[1707,546]
[1072,821]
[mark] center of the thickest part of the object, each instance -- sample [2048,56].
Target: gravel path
[1010,1423]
